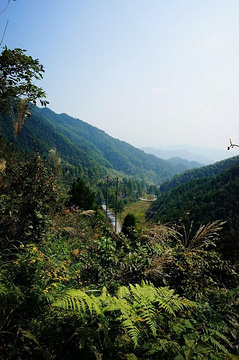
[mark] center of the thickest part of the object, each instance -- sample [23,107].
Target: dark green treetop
[81,195]
[128,224]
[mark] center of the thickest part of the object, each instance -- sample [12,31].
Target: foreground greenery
[71,288]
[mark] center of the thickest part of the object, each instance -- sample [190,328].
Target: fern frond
[148,315]
[214,333]
[134,307]
[132,330]
[217,345]
[78,300]
[123,291]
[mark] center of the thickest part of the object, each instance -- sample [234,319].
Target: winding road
[111,218]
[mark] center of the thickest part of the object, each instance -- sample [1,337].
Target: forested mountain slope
[209,170]
[184,164]
[80,143]
[202,201]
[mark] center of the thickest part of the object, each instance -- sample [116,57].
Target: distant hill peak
[191,153]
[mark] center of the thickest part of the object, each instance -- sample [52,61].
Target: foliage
[143,311]
[27,195]
[56,264]
[113,259]
[17,72]
[188,266]
[81,195]
[129,223]
[198,274]
[142,320]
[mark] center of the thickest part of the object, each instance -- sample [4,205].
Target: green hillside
[202,201]
[196,173]
[79,143]
[184,164]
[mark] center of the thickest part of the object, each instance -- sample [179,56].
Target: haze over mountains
[201,155]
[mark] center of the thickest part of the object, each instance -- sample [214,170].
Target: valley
[176,244]
[119,180]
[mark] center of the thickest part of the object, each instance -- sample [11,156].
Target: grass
[138,209]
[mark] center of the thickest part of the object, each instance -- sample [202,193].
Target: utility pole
[116,202]
[107,196]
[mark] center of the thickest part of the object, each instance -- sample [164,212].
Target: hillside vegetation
[205,200]
[209,170]
[81,144]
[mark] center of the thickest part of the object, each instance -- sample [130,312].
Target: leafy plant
[146,312]
[81,195]
[27,196]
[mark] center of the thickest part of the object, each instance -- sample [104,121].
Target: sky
[149,72]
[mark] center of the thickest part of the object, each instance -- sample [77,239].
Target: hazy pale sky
[150,72]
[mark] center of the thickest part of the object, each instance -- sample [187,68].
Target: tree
[26,197]
[81,195]
[128,224]
[17,91]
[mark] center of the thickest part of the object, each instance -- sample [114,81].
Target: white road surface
[111,218]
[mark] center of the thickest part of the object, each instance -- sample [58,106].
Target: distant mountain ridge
[184,164]
[81,144]
[190,153]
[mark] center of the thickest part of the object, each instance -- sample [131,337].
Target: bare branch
[231,146]
[8,2]
[4,33]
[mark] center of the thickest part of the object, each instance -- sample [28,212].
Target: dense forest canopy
[209,170]
[205,200]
